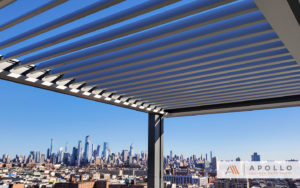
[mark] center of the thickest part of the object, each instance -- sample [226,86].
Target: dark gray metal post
[155,151]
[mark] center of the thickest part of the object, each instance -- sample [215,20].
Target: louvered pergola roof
[170,57]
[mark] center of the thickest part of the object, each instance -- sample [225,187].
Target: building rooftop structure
[167,58]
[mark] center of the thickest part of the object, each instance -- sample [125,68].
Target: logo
[232,169]
[258,169]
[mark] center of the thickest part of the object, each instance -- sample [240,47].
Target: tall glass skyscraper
[87,149]
[93,154]
[74,156]
[79,153]
[105,150]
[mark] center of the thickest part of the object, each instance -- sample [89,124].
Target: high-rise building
[87,149]
[98,151]
[38,157]
[93,153]
[255,157]
[79,153]
[51,146]
[211,156]
[32,155]
[124,155]
[214,163]
[131,151]
[143,155]
[74,156]
[105,152]
[48,153]
[60,155]
[171,154]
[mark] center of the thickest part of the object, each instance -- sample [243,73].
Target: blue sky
[30,117]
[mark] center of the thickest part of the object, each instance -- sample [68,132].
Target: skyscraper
[48,153]
[214,163]
[74,156]
[211,156]
[38,157]
[87,149]
[131,151]
[93,153]
[125,155]
[143,155]
[171,154]
[79,153]
[60,155]
[105,150]
[51,146]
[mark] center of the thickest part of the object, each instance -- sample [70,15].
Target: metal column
[155,151]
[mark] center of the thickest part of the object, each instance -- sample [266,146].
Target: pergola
[167,58]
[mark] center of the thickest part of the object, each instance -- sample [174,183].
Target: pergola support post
[155,151]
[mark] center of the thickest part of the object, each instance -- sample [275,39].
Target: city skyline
[70,118]
[87,155]
[88,149]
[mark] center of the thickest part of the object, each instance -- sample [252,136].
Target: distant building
[186,179]
[74,156]
[125,155]
[255,157]
[79,153]
[131,151]
[214,163]
[105,152]
[98,151]
[238,159]
[87,149]
[51,146]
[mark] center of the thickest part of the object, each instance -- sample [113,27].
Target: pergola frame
[271,83]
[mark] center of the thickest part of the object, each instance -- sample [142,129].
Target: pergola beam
[4,3]
[197,83]
[259,104]
[279,90]
[204,92]
[26,16]
[188,65]
[109,35]
[83,54]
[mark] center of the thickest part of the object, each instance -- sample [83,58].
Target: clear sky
[30,117]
